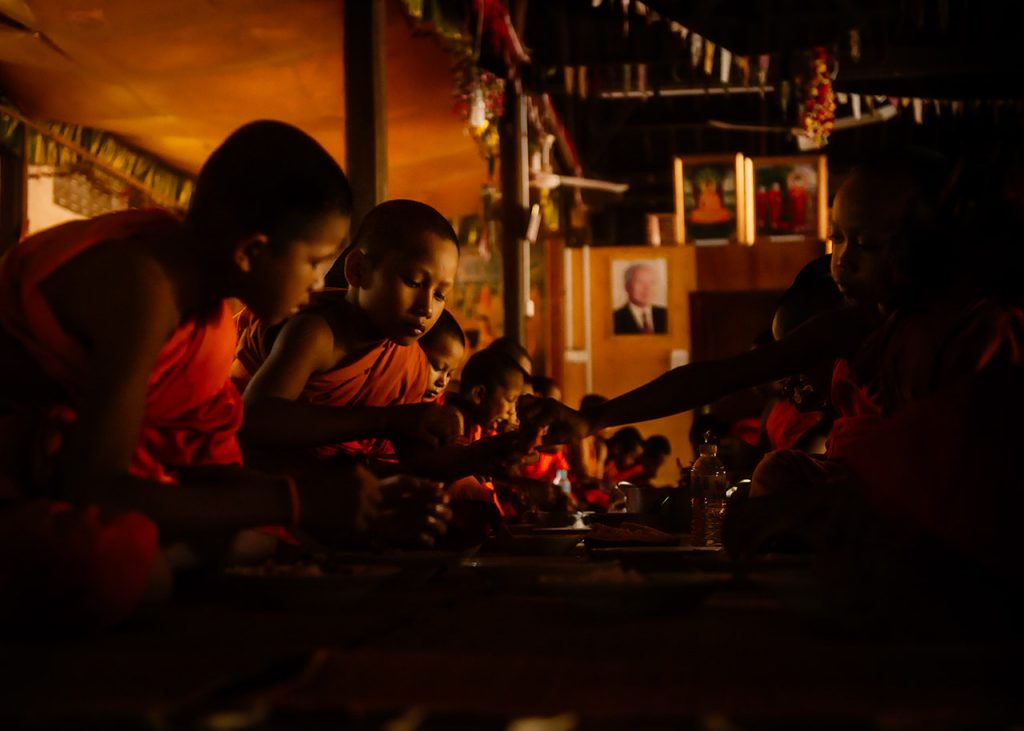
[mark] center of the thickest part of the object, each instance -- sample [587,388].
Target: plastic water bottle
[562,483]
[708,483]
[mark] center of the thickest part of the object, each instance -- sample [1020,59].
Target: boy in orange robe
[134,392]
[345,374]
[444,345]
[927,378]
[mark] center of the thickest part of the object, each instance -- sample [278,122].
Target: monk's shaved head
[391,225]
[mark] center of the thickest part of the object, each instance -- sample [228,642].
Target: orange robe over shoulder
[387,374]
[75,560]
[944,461]
[193,411]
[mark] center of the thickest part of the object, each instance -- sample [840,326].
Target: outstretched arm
[826,337]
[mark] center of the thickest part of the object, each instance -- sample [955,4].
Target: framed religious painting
[639,296]
[709,199]
[791,197]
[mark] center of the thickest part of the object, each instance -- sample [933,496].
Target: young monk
[802,417]
[490,385]
[136,394]
[345,374]
[444,345]
[923,362]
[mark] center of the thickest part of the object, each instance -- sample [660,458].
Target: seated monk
[345,374]
[134,403]
[921,360]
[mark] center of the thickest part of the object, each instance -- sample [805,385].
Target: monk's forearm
[245,499]
[278,422]
[441,463]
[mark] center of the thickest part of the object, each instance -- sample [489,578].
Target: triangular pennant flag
[763,61]
[726,66]
[918,110]
[709,57]
[569,75]
[841,98]
[696,48]
[743,64]
[855,103]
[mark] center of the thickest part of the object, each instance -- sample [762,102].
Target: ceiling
[174,78]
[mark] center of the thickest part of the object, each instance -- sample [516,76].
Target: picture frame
[710,199]
[639,296]
[790,197]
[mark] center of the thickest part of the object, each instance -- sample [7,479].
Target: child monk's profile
[346,375]
[124,323]
[445,346]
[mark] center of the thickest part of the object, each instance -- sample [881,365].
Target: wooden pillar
[13,172]
[366,142]
[515,197]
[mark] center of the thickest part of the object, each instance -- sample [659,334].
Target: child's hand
[497,455]
[428,424]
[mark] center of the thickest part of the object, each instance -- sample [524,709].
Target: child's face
[499,406]
[280,282]
[404,293]
[443,357]
[867,219]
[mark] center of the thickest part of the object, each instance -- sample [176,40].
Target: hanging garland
[818,114]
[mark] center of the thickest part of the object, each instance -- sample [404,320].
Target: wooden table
[445,642]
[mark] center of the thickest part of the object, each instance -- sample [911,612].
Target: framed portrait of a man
[639,296]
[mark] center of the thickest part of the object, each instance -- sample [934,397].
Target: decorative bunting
[743,64]
[854,45]
[709,56]
[763,62]
[726,66]
[696,48]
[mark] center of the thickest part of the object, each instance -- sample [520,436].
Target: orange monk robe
[546,467]
[192,412]
[474,488]
[943,463]
[786,425]
[385,375]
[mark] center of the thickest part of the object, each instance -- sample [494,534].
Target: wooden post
[515,198]
[366,142]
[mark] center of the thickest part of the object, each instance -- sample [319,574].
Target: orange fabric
[546,467]
[192,409]
[473,488]
[386,375]
[59,563]
[786,424]
[944,463]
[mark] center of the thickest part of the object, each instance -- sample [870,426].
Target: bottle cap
[709,447]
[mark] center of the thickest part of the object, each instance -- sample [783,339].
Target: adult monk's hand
[428,424]
[413,513]
[554,420]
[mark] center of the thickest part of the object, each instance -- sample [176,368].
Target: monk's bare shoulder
[115,287]
[309,337]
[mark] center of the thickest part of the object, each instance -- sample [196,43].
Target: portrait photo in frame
[639,296]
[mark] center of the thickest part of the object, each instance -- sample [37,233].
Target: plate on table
[629,533]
